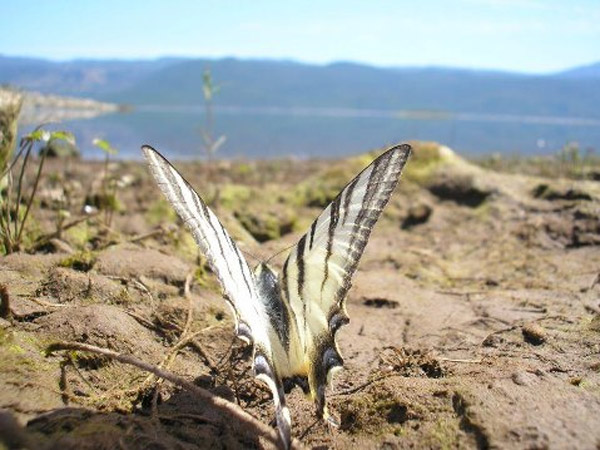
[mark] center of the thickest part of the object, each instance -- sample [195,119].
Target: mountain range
[289,84]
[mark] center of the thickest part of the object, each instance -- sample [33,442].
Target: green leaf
[43,135]
[37,135]
[105,146]
[64,135]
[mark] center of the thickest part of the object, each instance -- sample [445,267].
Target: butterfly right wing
[230,267]
[317,274]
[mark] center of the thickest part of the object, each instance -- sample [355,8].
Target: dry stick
[140,237]
[191,340]
[364,385]
[50,304]
[247,422]
[142,320]
[184,339]
[466,361]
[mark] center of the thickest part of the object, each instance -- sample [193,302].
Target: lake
[325,132]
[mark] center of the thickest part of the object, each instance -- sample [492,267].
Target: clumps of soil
[468,423]
[130,261]
[102,325]
[461,189]
[376,410]
[570,227]
[416,215]
[549,192]
[410,362]
[380,303]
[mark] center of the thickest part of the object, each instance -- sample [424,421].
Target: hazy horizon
[297,61]
[523,36]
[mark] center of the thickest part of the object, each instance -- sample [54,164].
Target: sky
[529,36]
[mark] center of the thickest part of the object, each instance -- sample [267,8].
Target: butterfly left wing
[230,267]
[317,274]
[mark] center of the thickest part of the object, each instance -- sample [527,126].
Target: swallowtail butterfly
[291,319]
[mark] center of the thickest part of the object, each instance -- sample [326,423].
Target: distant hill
[589,71]
[251,83]
[78,77]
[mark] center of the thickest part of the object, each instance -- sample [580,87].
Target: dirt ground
[475,312]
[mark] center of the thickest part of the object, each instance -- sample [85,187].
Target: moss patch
[82,261]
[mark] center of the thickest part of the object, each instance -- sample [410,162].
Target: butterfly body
[290,348]
[291,318]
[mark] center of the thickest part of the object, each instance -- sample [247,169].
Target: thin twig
[140,237]
[360,387]
[466,361]
[142,320]
[245,420]
[50,304]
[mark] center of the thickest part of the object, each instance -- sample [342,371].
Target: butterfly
[291,318]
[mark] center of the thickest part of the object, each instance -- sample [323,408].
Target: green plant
[108,200]
[209,89]
[12,217]
[10,107]
[570,159]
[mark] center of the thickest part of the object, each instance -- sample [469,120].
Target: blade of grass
[20,185]
[33,191]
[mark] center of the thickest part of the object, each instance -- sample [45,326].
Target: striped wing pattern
[291,320]
[230,267]
[317,274]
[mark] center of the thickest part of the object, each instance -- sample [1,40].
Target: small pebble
[534,334]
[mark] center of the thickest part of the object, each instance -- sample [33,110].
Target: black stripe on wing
[224,256]
[316,277]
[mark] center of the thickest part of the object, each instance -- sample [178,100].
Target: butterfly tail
[326,361]
[263,370]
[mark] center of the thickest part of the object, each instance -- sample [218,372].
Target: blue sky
[532,36]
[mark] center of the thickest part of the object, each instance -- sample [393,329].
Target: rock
[61,148]
[534,333]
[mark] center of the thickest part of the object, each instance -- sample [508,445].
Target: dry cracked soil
[475,311]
